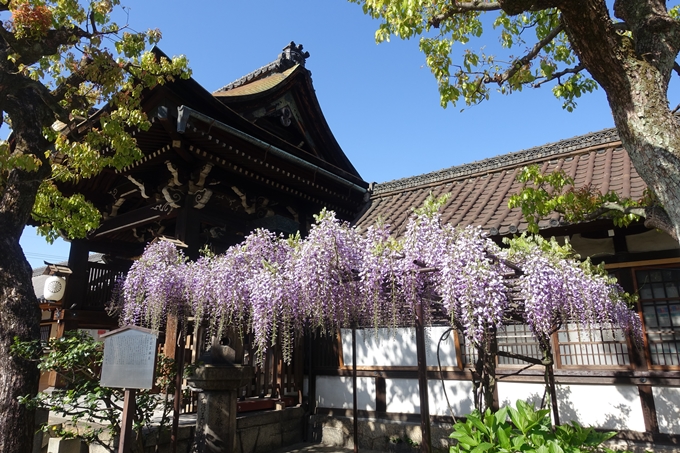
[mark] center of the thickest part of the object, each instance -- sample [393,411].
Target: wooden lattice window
[576,346]
[517,339]
[45,333]
[602,346]
[659,291]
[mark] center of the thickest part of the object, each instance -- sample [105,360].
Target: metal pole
[422,380]
[355,409]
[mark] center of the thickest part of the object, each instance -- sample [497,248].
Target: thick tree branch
[657,217]
[462,7]
[29,52]
[597,42]
[656,34]
[514,7]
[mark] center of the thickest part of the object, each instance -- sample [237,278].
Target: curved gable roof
[280,98]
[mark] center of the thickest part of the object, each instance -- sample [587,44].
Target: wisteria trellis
[338,276]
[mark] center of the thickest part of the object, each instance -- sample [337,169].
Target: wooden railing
[101,281]
[274,379]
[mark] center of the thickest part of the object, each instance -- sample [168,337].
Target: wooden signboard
[129,362]
[129,358]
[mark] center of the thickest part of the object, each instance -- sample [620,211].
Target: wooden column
[355,408]
[76,283]
[425,446]
[188,228]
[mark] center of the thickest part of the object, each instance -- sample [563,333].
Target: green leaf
[484,446]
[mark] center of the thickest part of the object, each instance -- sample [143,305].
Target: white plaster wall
[336,392]
[667,402]
[397,347]
[509,392]
[601,406]
[459,394]
[402,395]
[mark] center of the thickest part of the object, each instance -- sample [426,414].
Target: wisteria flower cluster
[337,276]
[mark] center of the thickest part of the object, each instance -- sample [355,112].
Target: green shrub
[91,409]
[524,429]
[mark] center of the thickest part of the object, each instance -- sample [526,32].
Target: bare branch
[516,372]
[526,59]
[525,358]
[558,75]
[610,206]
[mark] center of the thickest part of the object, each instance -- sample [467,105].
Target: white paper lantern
[54,288]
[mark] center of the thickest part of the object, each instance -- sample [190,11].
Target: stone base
[377,434]
[265,431]
[399,437]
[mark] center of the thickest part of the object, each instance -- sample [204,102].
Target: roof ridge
[504,160]
[291,55]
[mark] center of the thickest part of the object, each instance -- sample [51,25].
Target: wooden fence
[274,379]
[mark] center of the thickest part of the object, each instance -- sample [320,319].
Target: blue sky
[380,101]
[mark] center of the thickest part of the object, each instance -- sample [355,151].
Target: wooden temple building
[259,153]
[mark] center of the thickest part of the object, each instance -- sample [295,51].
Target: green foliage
[444,26]
[524,429]
[90,408]
[544,194]
[432,205]
[59,47]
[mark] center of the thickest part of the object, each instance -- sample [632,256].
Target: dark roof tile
[480,191]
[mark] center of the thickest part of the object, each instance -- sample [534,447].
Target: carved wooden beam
[135,218]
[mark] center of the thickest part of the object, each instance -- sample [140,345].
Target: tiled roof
[481,190]
[292,55]
[258,86]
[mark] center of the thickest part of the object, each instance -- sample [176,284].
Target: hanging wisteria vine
[337,277]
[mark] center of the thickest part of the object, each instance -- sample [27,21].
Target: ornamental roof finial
[294,53]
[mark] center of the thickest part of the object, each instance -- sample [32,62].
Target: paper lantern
[54,288]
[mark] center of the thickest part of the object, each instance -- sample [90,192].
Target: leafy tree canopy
[76,60]
[534,47]
[71,82]
[627,47]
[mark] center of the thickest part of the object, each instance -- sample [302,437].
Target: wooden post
[125,443]
[179,379]
[355,409]
[553,394]
[422,380]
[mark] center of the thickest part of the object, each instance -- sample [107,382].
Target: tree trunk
[635,74]
[19,311]
[20,318]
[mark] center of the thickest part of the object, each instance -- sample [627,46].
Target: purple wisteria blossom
[336,277]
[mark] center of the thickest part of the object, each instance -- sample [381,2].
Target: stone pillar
[219,386]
